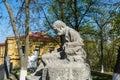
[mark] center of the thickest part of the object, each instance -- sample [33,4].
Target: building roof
[36,36]
[39,36]
[2,44]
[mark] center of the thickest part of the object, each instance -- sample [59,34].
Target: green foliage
[97,22]
[116,25]
[73,13]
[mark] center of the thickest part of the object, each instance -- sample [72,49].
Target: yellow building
[2,51]
[38,39]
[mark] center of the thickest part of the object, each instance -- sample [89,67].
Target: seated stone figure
[71,46]
[69,63]
[72,43]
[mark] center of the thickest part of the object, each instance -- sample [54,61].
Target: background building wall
[2,52]
[45,45]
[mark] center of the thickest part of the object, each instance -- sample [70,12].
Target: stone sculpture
[69,63]
[7,66]
[32,60]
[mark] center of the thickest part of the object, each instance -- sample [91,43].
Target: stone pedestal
[69,62]
[33,77]
[72,71]
[66,71]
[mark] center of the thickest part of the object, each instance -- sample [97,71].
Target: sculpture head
[59,27]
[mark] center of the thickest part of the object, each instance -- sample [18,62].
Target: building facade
[39,40]
[2,52]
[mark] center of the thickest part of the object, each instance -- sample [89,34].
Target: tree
[102,17]
[73,13]
[23,57]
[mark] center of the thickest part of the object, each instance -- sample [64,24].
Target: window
[51,49]
[23,49]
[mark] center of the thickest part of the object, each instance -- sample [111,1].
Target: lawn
[101,76]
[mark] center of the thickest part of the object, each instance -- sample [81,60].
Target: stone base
[70,72]
[33,77]
[72,68]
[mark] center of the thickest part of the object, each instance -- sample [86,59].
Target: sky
[6,29]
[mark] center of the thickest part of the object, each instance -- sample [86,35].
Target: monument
[69,62]
[32,60]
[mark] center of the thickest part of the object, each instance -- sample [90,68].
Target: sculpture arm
[74,39]
[73,44]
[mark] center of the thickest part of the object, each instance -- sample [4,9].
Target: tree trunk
[61,5]
[76,15]
[24,60]
[102,61]
[13,26]
[23,57]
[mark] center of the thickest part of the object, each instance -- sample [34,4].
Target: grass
[101,76]
[95,75]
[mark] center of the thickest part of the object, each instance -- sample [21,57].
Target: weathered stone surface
[63,70]
[32,60]
[72,71]
[2,70]
[33,77]
[69,63]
